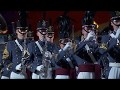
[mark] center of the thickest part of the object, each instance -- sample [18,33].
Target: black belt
[17,71]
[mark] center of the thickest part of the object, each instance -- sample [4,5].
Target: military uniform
[85,64]
[16,51]
[65,63]
[36,56]
[104,61]
[37,51]
[110,48]
[15,56]
[87,51]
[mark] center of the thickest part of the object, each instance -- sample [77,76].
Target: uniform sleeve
[61,56]
[80,46]
[78,60]
[35,57]
[30,61]
[112,43]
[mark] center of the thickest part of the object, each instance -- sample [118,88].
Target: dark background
[101,18]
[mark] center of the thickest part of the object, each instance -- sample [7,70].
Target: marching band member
[88,66]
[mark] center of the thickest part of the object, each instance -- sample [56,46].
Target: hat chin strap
[86,31]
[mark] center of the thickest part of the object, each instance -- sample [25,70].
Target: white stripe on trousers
[62,77]
[86,75]
[114,73]
[14,75]
[49,73]
[4,77]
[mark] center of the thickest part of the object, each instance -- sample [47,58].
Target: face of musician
[86,29]
[3,32]
[115,23]
[50,37]
[84,33]
[41,35]
[21,33]
[63,42]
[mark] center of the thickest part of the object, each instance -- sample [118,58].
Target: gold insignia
[103,46]
[5,54]
[26,54]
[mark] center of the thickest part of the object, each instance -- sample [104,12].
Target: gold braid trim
[5,54]
[103,46]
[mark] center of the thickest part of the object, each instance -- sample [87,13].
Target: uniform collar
[114,32]
[20,40]
[41,42]
[49,43]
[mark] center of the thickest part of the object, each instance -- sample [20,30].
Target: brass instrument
[25,56]
[45,62]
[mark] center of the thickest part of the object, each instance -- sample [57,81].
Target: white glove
[117,34]
[18,67]
[112,35]
[67,46]
[68,59]
[90,34]
[48,54]
[39,68]
[60,50]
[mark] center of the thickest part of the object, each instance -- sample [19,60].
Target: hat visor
[22,31]
[115,18]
